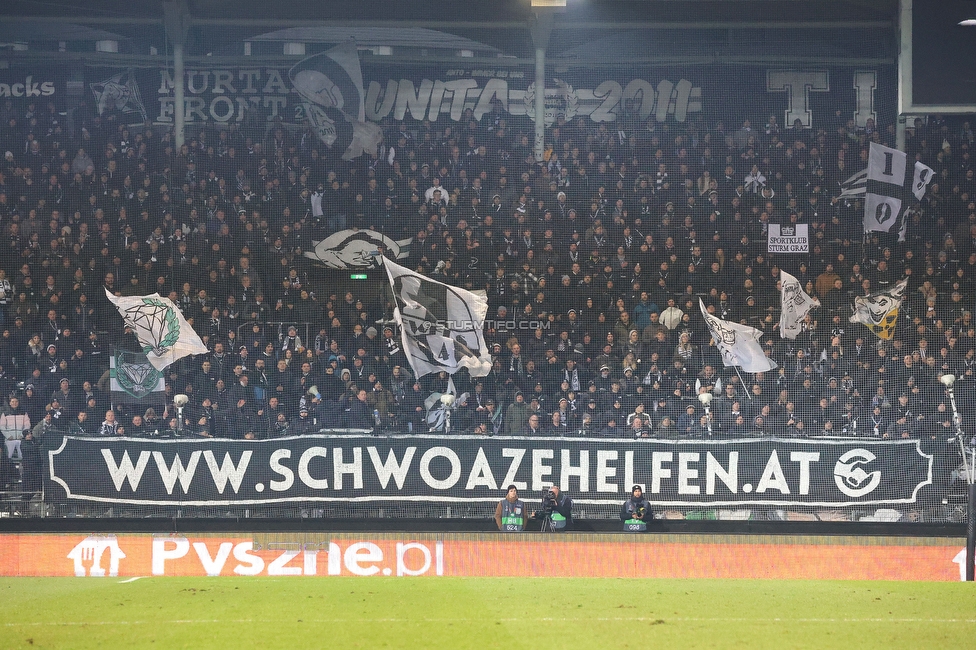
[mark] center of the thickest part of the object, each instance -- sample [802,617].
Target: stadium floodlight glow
[548,4]
[447,399]
[948,380]
[180,401]
[705,397]
[969,22]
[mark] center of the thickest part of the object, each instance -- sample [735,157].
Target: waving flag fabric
[879,311]
[441,326]
[890,185]
[739,344]
[164,334]
[134,380]
[795,305]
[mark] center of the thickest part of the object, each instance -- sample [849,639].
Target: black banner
[36,84]
[224,94]
[208,472]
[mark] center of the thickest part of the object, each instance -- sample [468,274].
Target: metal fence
[348,474]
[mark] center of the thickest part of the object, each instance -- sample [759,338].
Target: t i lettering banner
[329,468]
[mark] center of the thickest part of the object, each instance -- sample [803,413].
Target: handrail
[279,324]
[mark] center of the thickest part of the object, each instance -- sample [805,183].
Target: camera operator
[510,514]
[636,511]
[557,510]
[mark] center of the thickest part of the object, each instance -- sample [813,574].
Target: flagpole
[749,394]
[948,381]
[111,401]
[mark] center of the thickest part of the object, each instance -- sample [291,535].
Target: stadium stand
[593,261]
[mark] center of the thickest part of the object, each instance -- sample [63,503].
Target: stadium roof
[370,36]
[497,10]
[500,27]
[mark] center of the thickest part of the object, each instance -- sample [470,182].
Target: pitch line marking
[677,619]
[125,582]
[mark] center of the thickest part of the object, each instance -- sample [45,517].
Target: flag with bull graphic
[122,90]
[739,344]
[441,326]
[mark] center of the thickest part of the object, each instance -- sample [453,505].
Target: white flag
[795,304]
[879,311]
[164,334]
[441,326]
[882,213]
[330,85]
[438,410]
[739,344]
[855,186]
[884,202]
[920,182]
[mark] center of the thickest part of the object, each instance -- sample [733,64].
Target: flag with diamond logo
[162,331]
[134,380]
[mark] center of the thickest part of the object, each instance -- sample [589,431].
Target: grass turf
[482,613]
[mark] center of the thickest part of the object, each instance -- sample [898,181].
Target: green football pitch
[482,613]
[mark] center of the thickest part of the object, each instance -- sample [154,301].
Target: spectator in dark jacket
[358,415]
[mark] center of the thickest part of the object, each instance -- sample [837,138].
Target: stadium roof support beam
[123,59]
[264,25]
[904,70]
[541,29]
[177,23]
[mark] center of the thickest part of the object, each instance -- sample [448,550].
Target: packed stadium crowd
[593,261]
